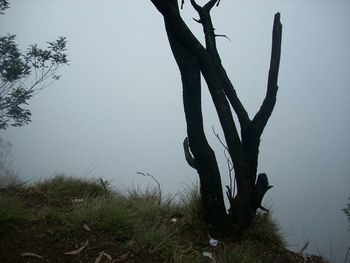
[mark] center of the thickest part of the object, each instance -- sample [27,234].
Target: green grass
[243,253]
[137,220]
[266,231]
[191,205]
[61,189]
[109,214]
[12,212]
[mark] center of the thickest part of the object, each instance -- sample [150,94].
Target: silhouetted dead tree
[194,59]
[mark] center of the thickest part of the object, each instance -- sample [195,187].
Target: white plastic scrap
[174,220]
[213,242]
[207,254]
[86,227]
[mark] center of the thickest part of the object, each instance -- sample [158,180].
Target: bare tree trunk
[205,162]
[192,59]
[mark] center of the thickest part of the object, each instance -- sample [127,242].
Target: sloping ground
[66,219]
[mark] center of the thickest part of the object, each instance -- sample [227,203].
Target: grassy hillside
[66,219]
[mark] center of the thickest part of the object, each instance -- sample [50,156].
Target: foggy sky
[118,107]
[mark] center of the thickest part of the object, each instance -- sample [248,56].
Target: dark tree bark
[194,59]
[205,161]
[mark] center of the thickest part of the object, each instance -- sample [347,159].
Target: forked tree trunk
[194,59]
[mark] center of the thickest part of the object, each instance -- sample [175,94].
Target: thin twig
[304,247]
[347,254]
[105,185]
[218,137]
[232,187]
[223,36]
[197,20]
[154,179]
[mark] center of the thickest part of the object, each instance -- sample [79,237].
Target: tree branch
[195,5]
[218,35]
[210,40]
[264,113]
[183,35]
[197,20]
[188,62]
[189,158]
[260,189]
[182,3]
[208,6]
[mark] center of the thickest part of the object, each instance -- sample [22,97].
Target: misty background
[118,107]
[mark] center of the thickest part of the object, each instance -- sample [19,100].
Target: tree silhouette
[194,59]
[24,73]
[4,4]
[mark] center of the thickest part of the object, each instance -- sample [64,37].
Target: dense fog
[118,107]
